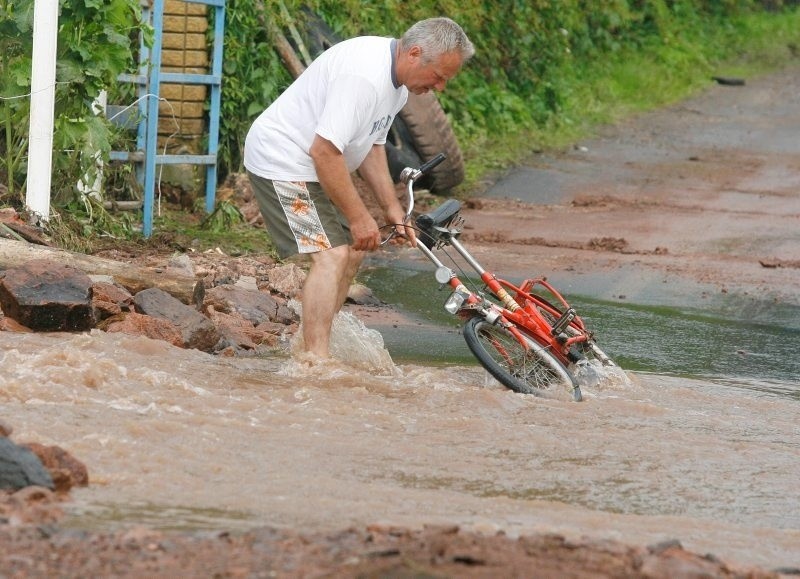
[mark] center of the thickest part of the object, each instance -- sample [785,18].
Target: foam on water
[593,376]
[177,437]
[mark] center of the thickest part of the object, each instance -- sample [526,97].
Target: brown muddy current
[180,439]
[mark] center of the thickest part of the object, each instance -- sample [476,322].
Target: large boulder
[47,296]
[197,330]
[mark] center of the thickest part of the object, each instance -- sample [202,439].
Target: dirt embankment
[373,552]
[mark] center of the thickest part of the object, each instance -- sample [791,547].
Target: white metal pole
[43,92]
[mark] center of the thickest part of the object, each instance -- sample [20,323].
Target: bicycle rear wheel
[530,371]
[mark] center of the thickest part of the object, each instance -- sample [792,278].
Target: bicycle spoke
[523,365]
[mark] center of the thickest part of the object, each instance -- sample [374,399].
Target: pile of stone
[228,306]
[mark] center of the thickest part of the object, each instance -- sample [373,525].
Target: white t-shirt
[346,96]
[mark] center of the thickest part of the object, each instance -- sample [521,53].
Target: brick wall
[185,49]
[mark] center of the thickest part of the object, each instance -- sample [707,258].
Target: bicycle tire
[400,151]
[527,372]
[318,36]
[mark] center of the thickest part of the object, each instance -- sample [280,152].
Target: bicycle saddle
[440,217]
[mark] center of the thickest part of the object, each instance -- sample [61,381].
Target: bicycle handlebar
[408,176]
[432,163]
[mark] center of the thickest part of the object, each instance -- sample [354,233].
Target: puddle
[728,337]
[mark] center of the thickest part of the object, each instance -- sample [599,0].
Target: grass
[601,93]
[220,230]
[175,230]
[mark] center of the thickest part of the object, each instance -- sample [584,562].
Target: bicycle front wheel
[527,371]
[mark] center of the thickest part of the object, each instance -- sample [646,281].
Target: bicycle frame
[527,341]
[522,310]
[518,308]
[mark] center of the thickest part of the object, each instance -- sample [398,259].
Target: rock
[20,468]
[247,282]
[253,305]
[9,325]
[15,227]
[14,254]
[236,332]
[140,325]
[240,334]
[5,428]
[197,330]
[32,505]
[287,279]
[109,299]
[671,560]
[277,328]
[180,265]
[361,295]
[65,470]
[46,295]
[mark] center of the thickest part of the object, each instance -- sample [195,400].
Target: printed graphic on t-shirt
[381,124]
[302,216]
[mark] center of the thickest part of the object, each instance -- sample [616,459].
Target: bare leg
[324,291]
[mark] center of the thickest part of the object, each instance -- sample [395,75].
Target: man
[333,120]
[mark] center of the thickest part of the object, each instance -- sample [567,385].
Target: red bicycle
[527,337]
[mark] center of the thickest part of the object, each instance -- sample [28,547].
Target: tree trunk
[133,278]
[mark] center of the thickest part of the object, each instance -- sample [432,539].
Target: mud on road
[668,207]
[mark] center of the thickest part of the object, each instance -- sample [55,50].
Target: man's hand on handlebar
[401,232]
[365,233]
[399,220]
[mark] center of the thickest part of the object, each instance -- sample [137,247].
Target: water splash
[593,375]
[351,342]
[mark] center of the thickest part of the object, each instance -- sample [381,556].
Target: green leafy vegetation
[224,229]
[546,73]
[93,49]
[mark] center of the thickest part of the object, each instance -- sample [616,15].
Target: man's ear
[415,52]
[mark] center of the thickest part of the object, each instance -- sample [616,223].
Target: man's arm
[375,171]
[338,185]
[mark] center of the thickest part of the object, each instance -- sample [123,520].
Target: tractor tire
[422,131]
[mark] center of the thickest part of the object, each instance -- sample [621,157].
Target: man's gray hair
[437,36]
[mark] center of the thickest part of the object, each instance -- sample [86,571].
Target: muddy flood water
[178,439]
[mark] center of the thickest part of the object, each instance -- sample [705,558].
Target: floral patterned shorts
[299,216]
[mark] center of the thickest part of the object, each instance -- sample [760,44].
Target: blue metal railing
[150,85]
